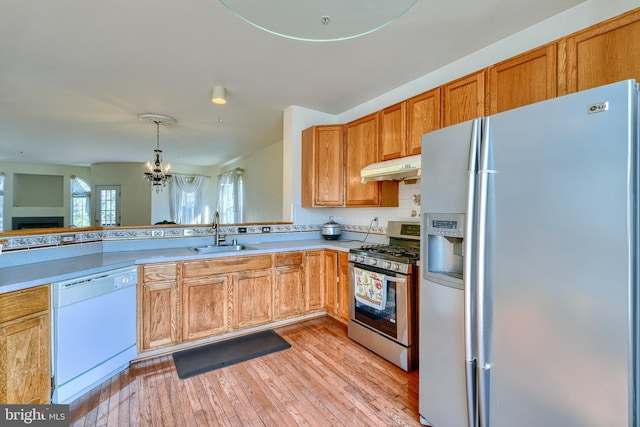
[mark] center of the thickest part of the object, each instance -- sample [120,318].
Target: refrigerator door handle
[481,296]
[469,276]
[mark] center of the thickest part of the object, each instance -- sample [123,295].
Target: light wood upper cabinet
[158,306]
[423,115]
[25,346]
[393,131]
[323,166]
[314,281]
[289,285]
[361,149]
[523,80]
[602,54]
[205,307]
[464,99]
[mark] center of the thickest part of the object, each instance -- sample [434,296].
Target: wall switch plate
[266,229]
[68,238]
[188,232]
[242,229]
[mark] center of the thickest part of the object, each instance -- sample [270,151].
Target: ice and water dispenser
[444,239]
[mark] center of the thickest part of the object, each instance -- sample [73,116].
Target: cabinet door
[331,281]
[314,281]
[602,54]
[323,166]
[393,134]
[160,314]
[463,99]
[523,80]
[289,289]
[423,115]
[25,360]
[362,149]
[205,307]
[251,298]
[343,286]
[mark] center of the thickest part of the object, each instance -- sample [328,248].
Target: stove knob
[360,259]
[396,266]
[387,265]
[373,262]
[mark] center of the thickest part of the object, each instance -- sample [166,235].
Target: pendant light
[156,175]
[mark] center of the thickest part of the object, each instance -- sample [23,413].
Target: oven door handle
[396,279]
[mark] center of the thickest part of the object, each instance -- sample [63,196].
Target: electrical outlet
[375,221]
[157,233]
[188,232]
[68,238]
[242,229]
[266,229]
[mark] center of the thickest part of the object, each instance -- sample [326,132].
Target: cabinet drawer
[159,272]
[288,258]
[25,302]
[207,267]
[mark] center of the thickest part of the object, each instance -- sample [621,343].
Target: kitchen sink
[209,249]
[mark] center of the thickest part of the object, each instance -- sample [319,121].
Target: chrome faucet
[216,226]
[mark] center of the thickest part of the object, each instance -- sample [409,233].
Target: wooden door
[343,286]
[25,348]
[464,99]
[361,149]
[523,80]
[205,307]
[289,289]
[602,54]
[323,166]
[331,281]
[251,298]
[423,115]
[393,132]
[314,281]
[158,306]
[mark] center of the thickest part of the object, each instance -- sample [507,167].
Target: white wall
[263,183]
[297,119]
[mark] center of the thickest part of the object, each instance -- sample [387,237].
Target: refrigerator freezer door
[445,181]
[558,269]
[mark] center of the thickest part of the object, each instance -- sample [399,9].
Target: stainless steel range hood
[392,170]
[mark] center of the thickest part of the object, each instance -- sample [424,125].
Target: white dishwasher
[94,330]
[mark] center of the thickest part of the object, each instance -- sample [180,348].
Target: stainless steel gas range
[383,295]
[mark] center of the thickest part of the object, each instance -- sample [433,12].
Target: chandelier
[155,175]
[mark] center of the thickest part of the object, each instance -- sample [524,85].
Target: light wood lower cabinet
[289,285]
[343,286]
[251,298]
[336,284]
[314,281]
[205,307]
[25,346]
[196,299]
[158,306]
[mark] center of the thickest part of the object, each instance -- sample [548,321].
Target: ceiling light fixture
[219,95]
[319,21]
[156,176]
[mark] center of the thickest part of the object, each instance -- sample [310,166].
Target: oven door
[391,322]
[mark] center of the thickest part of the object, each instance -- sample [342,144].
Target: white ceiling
[75,74]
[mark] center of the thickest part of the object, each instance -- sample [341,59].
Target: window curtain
[230,197]
[186,199]
[80,206]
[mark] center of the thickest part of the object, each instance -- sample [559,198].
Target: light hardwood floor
[324,379]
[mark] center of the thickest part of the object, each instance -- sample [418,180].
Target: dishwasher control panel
[90,286]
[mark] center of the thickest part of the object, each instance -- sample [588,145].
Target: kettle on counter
[331,230]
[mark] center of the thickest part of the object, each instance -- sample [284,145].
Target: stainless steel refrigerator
[529,278]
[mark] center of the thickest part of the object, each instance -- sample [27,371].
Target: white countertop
[28,275]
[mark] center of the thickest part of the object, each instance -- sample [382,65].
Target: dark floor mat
[206,358]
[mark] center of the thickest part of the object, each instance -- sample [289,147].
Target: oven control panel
[392,266]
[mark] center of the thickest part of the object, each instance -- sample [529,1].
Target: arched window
[80,203]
